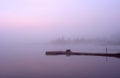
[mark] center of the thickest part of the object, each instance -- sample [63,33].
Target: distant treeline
[84,41]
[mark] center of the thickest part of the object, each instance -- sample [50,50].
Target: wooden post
[106,50]
[106,55]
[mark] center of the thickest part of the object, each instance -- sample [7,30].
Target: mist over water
[22,55]
[29,61]
[29,28]
[27,35]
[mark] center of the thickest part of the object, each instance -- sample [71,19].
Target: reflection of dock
[69,52]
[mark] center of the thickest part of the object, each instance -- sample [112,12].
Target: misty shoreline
[64,41]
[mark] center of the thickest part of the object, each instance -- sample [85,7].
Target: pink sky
[40,12]
[59,17]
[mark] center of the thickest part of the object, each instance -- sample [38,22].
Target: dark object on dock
[68,52]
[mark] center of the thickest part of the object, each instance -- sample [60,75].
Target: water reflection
[31,62]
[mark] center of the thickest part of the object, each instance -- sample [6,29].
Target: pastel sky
[56,18]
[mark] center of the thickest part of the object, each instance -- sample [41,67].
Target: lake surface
[30,61]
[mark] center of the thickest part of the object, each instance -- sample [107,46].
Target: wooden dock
[69,53]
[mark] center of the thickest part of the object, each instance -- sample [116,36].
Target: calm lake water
[30,61]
